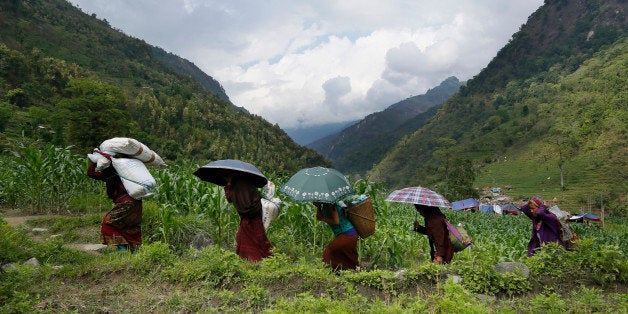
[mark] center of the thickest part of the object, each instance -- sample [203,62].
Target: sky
[302,63]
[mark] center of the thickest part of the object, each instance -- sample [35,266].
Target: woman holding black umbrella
[240,181]
[251,240]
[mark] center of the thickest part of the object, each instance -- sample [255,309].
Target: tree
[566,145]
[444,154]
[94,112]
[459,185]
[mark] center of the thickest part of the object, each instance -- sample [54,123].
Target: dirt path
[21,220]
[16,221]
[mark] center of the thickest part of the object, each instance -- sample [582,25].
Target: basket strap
[350,213]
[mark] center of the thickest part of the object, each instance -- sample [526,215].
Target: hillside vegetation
[554,97]
[69,79]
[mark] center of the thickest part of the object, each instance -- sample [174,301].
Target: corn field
[53,180]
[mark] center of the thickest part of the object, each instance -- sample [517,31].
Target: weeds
[294,279]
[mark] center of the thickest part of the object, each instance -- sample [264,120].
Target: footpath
[21,221]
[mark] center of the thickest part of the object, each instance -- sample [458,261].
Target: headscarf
[537,201]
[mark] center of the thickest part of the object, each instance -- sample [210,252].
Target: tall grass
[42,179]
[46,179]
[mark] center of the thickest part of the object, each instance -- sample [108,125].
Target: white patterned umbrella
[317,184]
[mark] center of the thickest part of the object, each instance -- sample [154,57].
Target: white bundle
[270,205]
[270,210]
[132,148]
[138,182]
[100,161]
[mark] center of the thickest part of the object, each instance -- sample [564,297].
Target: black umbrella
[216,171]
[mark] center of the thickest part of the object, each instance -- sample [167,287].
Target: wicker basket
[362,217]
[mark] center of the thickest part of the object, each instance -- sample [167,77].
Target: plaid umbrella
[418,195]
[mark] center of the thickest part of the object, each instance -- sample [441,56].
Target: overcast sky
[303,63]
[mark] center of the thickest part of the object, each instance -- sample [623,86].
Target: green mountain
[358,147]
[185,67]
[548,115]
[68,78]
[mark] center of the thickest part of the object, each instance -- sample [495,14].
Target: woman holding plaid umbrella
[441,248]
[428,203]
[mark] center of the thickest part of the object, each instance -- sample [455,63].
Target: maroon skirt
[122,225]
[342,252]
[251,240]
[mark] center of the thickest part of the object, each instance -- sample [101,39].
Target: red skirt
[122,225]
[342,252]
[251,240]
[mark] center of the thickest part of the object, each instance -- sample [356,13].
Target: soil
[16,221]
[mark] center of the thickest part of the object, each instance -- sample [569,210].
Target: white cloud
[311,62]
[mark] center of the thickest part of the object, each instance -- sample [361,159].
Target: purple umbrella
[418,195]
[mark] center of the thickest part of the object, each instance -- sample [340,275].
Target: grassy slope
[598,170]
[588,106]
[216,280]
[514,101]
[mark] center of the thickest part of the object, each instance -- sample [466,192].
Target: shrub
[213,267]
[153,257]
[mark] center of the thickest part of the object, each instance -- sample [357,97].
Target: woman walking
[122,225]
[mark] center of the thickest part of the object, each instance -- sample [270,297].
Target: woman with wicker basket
[342,251]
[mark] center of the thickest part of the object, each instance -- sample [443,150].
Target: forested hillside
[358,147]
[70,79]
[554,97]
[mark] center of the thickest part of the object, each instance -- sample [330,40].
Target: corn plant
[43,179]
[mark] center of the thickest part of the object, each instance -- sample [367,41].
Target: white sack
[270,205]
[100,161]
[132,148]
[270,210]
[138,182]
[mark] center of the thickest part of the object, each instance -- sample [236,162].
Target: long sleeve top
[438,236]
[245,198]
[545,227]
[115,188]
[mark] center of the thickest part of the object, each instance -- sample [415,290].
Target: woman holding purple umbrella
[545,225]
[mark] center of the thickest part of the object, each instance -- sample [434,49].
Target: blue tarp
[464,204]
[584,215]
[486,209]
[510,206]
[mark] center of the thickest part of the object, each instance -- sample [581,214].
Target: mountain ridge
[64,69]
[356,148]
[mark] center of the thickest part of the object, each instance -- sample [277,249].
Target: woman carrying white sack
[121,226]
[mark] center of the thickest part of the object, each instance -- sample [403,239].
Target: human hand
[319,214]
[438,259]
[106,155]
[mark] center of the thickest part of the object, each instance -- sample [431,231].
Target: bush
[213,267]
[153,257]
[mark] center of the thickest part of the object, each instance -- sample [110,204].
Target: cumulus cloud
[302,63]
